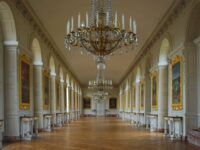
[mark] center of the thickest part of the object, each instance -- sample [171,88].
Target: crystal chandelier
[100,83]
[100,33]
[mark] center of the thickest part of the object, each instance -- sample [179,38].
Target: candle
[97,20]
[87,24]
[115,20]
[107,18]
[123,22]
[68,25]
[134,27]
[72,24]
[79,20]
[130,24]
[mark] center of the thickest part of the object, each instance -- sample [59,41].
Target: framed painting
[176,83]
[154,91]
[113,103]
[142,95]
[86,103]
[133,97]
[57,95]
[65,97]
[25,83]
[46,90]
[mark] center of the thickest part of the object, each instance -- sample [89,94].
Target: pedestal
[1,130]
[47,122]
[26,128]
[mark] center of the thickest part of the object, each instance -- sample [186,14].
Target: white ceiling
[54,14]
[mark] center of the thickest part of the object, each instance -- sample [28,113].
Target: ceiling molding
[169,17]
[28,13]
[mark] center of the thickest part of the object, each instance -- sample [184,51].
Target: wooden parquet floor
[100,134]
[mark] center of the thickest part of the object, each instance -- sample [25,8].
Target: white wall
[112,93]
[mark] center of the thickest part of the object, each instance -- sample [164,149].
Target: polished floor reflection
[100,134]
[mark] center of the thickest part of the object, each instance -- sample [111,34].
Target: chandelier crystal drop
[100,33]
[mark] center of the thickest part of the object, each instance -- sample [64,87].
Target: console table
[35,126]
[173,126]
[1,130]
[152,121]
[47,122]
[59,119]
[26,123]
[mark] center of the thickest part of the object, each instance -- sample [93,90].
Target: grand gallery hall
[100,74]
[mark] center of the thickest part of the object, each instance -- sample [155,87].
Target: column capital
[53,74]
[37,63]
[11,44]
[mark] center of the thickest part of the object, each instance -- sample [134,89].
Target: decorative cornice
[167,20]
[28,13]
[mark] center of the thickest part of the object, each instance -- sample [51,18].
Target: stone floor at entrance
[100,134]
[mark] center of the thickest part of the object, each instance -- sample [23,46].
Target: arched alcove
[164,51]
[36,50]
[52,66]
[7,22]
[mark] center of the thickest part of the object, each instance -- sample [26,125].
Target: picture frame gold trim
[46,74]
[25,59]
[142,84]
[154,75]
[175,60]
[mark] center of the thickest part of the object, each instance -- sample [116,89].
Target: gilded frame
[46,76]
[154,95]
[22,105]
[142,95]
[177,60]
[57,95]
